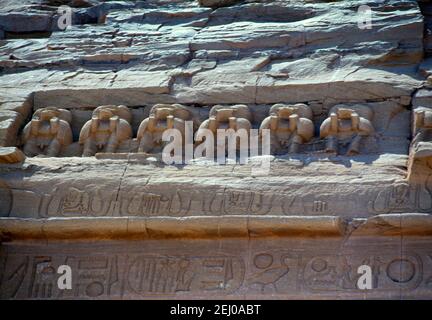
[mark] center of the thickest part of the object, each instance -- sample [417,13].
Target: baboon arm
[142,129]
[85,132]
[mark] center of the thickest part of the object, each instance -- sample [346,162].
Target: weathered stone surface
[11,155]
[294,187]
[264,40]
[10,122]
[218,230]
[422,98]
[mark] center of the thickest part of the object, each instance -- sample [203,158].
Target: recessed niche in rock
[367,128]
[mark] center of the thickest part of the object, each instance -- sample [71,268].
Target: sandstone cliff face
[199,54]
[250,52]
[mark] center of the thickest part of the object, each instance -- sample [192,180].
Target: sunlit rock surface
[208,230]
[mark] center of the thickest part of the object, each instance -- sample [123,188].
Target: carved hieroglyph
[347,125]
[290,126]
[161,118]
[262,268]
[108,128]
[48,132]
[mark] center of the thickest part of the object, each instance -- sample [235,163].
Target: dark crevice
[27,35]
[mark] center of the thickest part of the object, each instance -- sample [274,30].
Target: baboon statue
[289,125]
[107,129]
[234,117]
[347,124]
[48,132]
[161,118]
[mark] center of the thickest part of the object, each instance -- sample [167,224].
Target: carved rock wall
[217,230]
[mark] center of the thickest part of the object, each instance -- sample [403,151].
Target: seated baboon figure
[347,125]
[107,129]
[234,117]
[422,128]
[289,125]
[48,132]
[161,118]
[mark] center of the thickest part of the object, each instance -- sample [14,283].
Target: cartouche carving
[161,118]
[347,125]
[48,132]
[290,126]
[107,129]
[234,117]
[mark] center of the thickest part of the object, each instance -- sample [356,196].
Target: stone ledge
[213,227]
[167,227]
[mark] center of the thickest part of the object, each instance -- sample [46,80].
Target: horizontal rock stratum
[344,88]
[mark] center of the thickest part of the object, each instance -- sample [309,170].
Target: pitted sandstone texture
[350,179]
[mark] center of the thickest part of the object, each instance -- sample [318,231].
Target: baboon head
[162,111]
[224,113]
[284,111]
[45,114]
[108,111]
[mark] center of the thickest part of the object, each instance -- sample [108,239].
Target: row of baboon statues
[290,126]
